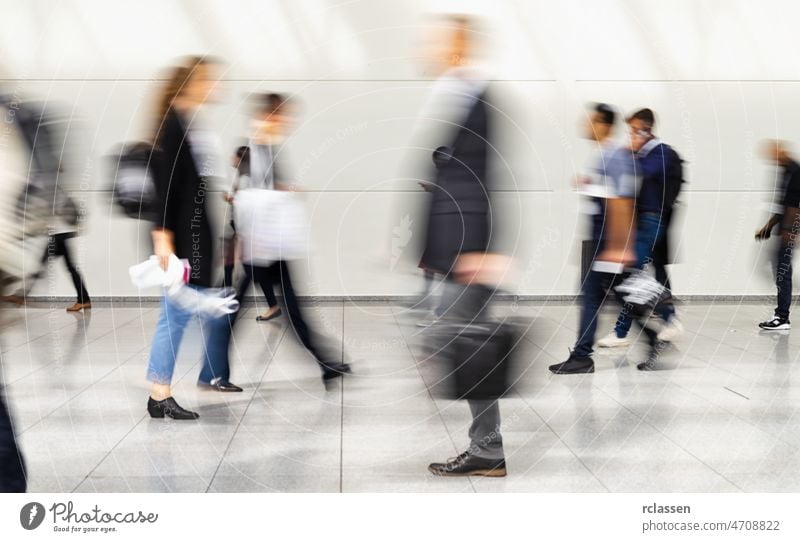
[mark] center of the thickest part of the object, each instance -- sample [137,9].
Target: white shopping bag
[272,226]
[207,302]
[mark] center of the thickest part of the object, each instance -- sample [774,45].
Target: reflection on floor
[721,417]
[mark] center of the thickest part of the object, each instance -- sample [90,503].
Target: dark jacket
[182,197]
[459,217]
[661,178]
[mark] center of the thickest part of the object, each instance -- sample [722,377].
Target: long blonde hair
[174,87]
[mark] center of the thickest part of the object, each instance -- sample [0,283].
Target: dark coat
[459,216]
[182,194]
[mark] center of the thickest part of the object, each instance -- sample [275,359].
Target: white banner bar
[401,517]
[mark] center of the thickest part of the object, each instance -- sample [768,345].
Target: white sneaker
[612,341]
[670,330]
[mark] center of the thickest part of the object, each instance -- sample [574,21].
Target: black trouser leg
[227,278]
[261,275]
[244,284]
[662,276]
[279,271]
[77,281]
[12,467]
[783,280]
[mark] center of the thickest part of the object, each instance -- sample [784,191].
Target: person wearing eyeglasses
[661,174]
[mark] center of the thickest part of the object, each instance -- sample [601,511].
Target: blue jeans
[596,288]
[169,332]
[649,232]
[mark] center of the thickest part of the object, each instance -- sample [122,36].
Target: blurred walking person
[32,151]
[230,240]
[459,228]
[62,230]
[659,167]
[786,216]
[266,223]
[183,229]
[271,123]
[612,186]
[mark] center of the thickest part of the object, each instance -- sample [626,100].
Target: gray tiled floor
[722,417]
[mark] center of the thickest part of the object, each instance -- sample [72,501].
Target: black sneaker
[652,358]
[776,324]
[574,365]
[467,464]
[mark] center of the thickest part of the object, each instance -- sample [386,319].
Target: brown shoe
[269,315]
[78,306]
[15,299]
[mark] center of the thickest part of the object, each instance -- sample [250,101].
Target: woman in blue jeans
[182,166]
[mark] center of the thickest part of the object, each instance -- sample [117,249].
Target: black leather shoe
[169,408]
[335,370]
[220,385]
[574,365]
[467,464]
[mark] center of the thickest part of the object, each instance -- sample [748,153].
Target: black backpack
[673,181]
[133,187]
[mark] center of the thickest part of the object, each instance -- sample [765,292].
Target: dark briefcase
[478,359]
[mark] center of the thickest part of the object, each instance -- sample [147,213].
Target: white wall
[721,75]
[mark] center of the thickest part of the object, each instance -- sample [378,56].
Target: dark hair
[243,165]
[646,116]
[271,102]
[607,113]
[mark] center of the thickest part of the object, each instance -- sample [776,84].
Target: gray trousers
[469,303]
[484,433]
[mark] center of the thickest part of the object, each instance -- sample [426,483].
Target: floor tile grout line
[244,413]
[82,391]
[723,408]
[561,440]
[708,363]
[50,312]
[84,344]
[144,417]
[430,394]
[108,453]
[27,328]
[642,420]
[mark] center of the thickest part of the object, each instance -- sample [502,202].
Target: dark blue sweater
[654,166]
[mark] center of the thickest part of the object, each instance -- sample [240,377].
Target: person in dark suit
[183,228]
[459,226]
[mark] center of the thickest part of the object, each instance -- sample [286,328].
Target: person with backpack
[661,178]
[612,186]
